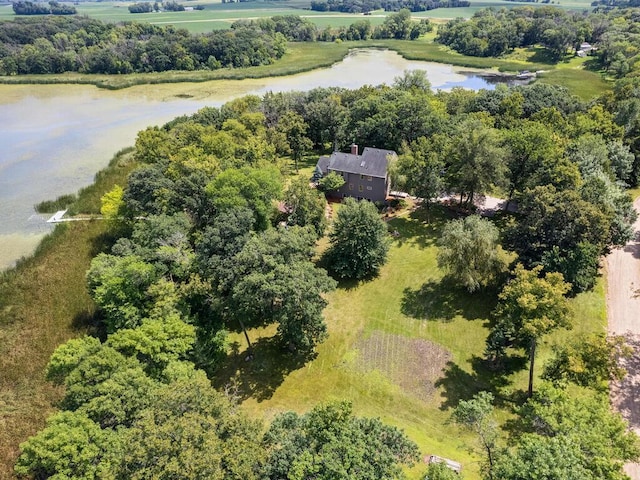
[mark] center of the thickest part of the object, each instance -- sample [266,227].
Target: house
[365,176]
[585,49]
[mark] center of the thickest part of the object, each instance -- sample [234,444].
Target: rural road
[623,314]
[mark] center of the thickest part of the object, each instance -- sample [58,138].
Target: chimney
[354,149]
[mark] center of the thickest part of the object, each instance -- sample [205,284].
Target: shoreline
[324,55]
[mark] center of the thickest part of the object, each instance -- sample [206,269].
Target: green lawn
[389,340]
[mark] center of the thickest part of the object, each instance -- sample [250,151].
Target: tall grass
[43,303]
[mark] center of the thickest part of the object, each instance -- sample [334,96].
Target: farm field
[217,15]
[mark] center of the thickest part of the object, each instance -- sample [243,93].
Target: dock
[57,217]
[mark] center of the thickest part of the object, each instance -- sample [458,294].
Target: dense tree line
[351,6]
[56,45]
[492,32]
[141,7]
[52,8]
[399,26]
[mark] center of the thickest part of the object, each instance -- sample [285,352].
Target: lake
[55,138]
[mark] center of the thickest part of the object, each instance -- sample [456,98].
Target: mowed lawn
[405,347]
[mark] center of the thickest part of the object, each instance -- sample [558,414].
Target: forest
[80,44]
[350,6]
[491,33]
[214,233]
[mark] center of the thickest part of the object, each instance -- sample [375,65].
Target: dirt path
[623,314]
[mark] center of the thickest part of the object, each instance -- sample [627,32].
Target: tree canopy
[359,241]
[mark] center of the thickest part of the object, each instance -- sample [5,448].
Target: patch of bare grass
[414,364]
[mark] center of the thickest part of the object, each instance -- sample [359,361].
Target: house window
[359,188]
[369,178]
[369,187]
[351,186]
[361,176]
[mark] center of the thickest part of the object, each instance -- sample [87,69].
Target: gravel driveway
[623,314]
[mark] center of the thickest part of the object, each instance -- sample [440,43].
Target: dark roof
[373,162]
[323,164]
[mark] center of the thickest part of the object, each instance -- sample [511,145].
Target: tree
[289,295]
[477,415]
[421,168]
[469,252]
[71,446]
[585,434]
[329,442]
[397,25]
[295,129]
[536,458]
[119,286]
[331,182]
[477,160]
[359,241]
[218,245]
[247,188]
[275,282]
[530,306]
[590,361]
[112,203]
[537,159]
[191,431]
[305,206]
[413,79]
[578,265]
[550,218]
[156,342]
[440,471]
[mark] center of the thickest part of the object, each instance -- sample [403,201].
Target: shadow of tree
[625,393]
[458,384]
[541,55]
[90,321]
[259,376]
[444,300]
[412,233]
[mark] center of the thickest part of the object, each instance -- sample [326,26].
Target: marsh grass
[43,303]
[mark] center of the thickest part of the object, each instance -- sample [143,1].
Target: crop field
[217,15]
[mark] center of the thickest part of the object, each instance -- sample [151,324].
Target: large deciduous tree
[305,206]
[476,160]
[591,361]
[470,253]
[359,241]
[421,167]
[568,437]
[329,442]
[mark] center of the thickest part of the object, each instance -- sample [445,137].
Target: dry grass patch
[413,364]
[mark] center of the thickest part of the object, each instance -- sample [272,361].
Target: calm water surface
[53,139]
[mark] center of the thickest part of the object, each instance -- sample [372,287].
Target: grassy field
[404,347]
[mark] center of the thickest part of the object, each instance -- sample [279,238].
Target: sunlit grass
[393,304]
